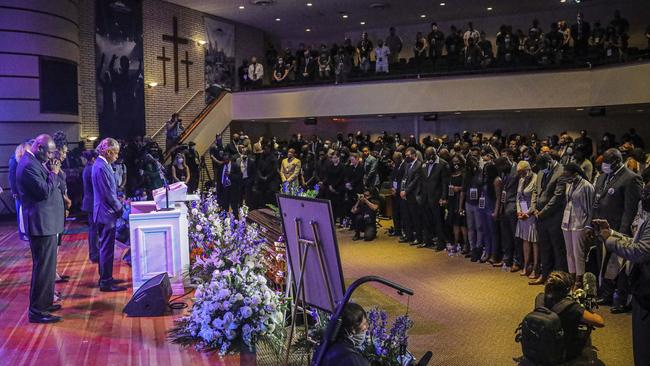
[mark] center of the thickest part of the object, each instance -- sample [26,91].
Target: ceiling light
[563,1]
[457,112]
[362,23]
[345,16]
[489,9]
[423,16]
[277,19]
[309,4]
[442,4]
[640,110]
[308,30]
[517,111]
[580,109]
[242,7]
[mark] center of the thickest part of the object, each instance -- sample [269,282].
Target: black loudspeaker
[311,121]
[152,299]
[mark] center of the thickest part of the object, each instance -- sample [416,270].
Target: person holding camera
[636,250]
[364,216]
[576,324]
[174,129]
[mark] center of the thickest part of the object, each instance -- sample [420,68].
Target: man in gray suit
[370,174]
[548,203]
[87,206]
[636,249]
[42,202]
[106,210]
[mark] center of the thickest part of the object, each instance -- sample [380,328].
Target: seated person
[352,334]
[364,215]
[558,287]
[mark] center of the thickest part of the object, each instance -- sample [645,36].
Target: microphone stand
[166,185]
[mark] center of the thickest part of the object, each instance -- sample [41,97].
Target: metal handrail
[178,111]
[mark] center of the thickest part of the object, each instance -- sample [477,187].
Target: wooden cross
[187,64]
[164,60]
[175,40]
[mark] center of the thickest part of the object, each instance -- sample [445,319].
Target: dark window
[58,84]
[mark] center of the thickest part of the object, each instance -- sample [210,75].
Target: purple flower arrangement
[386,346]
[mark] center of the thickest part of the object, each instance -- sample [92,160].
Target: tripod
[204,174]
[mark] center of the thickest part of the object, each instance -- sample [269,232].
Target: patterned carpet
[466,313]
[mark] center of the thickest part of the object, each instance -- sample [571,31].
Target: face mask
[180,161]
[606,168]
[358,339]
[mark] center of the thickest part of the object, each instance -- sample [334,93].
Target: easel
[304,246]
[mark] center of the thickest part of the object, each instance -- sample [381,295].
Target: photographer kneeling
[635,249]
[364,216]
[547,342]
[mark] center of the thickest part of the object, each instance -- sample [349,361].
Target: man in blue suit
[106,210]
[87,206]
[42,202]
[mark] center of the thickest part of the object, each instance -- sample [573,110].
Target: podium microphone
[161,172]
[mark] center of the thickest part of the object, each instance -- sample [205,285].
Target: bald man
[38,188]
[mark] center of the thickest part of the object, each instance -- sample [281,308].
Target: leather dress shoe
[356,237]
[415,243]
[404,240]
[515,268]
[44,318]
[112,288]
[424,245]
[620,309]
[604,301]
[54,307]
[538,281]
[440,248]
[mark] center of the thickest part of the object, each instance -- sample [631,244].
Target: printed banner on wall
[118,61]
[219,56]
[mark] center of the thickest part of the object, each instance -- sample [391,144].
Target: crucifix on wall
[164,60]
[187,64]
[175,39]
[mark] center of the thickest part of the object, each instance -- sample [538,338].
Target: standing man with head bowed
[42,202]
[106,210]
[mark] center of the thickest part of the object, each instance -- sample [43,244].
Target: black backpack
[541,334]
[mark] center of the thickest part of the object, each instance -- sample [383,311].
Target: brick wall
[87,84]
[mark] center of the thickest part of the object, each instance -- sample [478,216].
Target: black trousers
[397,214]
[359,225]
[510,249]
[93,239]
[106,253]
[640,334]
[231,198]
[412,220]
[41,292]
[433,223]
[551,244]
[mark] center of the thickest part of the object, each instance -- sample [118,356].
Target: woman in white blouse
[579,200]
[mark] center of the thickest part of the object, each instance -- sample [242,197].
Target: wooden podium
[160,242]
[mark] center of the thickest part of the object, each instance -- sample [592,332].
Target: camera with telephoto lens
[587,296]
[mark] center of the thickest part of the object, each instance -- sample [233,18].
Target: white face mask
[606,168]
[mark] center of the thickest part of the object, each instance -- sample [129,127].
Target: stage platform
[466,313]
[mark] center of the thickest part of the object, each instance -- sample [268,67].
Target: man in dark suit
[88,204]
[410,191]
[548,203]
[247,167]
[106,210]
[580,32]
[352,181]
[370,169]
[231,181]
[42,203]
[396,176]
[507,219]
[435,180]
[617,194]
